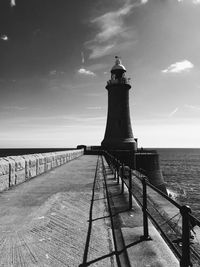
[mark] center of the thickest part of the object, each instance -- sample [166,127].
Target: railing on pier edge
[138,186]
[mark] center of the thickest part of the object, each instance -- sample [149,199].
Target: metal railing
[122,80]
[138,186]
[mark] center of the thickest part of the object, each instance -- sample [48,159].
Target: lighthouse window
[113,77]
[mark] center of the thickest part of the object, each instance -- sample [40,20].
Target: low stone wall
[17,169]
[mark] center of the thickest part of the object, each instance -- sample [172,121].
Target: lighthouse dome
[118,65]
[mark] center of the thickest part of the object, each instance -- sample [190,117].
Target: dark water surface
[4,152]
[181,171]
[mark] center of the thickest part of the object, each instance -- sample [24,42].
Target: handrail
[165,236]
[197,221]
[188,220]
[160,192]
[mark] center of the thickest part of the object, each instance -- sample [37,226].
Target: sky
[55,61]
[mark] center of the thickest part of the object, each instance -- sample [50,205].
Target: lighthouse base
[116,144]
[127,157]
[148,163]
[144,161]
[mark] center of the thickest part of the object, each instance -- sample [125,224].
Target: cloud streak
[4,37]
[53,72]
[86,72]
[12,3]
[94,108]
[112,31]
[195,2]
[97,67]
[82,58]
[179,67]
[111,23]
[100,50]
[171,114]
[196,108]
[14,108]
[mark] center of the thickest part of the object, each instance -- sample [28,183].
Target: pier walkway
[75,215]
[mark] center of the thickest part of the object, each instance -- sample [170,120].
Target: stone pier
[61,218]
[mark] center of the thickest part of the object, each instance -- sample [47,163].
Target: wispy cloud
[4,37]
[60,118]
[196,2]
[144,1]
[14,108]
[87,119]
[86,72]
[82,58]
[98,66]
[179,67]
[111,23]
[12,3]
[99,51]
[94,108]
[94,94]
[53,72]
[171,114]
[197,108]
[113,30]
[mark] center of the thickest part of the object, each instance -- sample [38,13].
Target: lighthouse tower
[118,134]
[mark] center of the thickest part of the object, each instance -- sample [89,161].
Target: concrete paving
[61,218]
[44,222]
[151,253]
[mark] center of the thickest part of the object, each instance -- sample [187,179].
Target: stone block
[4,174]
[49,160]
[70,155]
[30,166]
[58,158]
[16,169]
[41,163]
[65,157]
[62,157]
[20,175]
[53,160]
[12,177]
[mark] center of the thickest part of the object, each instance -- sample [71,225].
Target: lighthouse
[118,138]
[118,133]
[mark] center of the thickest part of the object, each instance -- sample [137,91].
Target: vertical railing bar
[185,259]
[145,215]
[130,189]
[118,170]
[122,178]
[114,164]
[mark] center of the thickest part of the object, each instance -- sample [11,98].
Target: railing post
[114,173]
[122,178]
[118,171]
[144,209]
[111,164]
[185,259]
[114,169]
[130,189]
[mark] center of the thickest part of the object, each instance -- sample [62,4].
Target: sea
[181,171]
[4,152]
